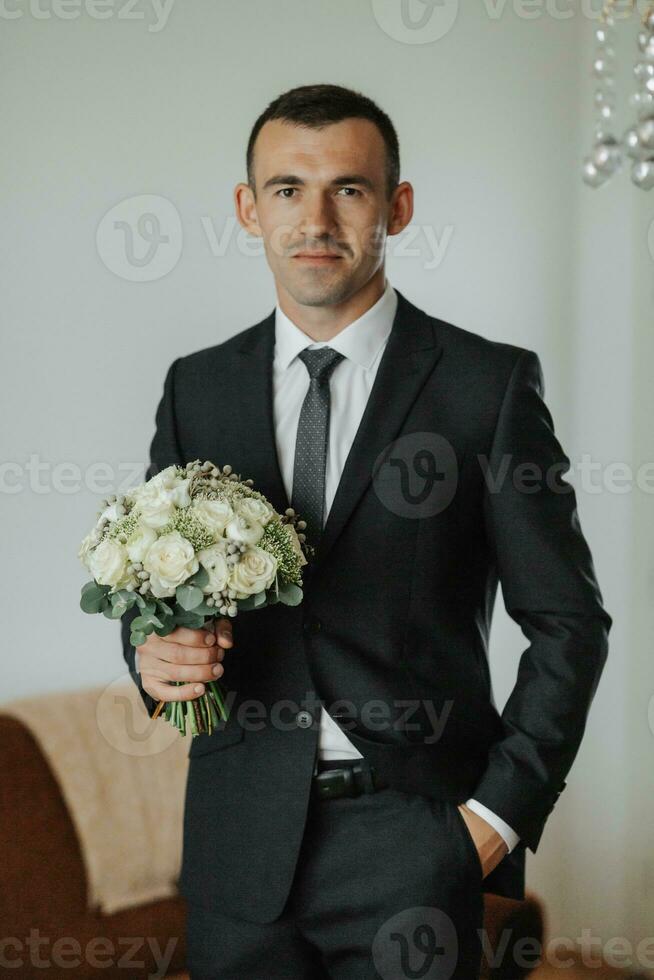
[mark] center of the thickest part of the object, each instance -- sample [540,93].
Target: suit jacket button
[303,719]
[312,624]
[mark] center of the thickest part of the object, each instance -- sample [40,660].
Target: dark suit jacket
[398,603]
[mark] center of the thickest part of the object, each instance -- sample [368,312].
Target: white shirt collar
[360,340]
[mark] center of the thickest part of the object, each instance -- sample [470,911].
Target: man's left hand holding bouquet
[185,655]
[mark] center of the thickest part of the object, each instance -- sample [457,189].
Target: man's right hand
[184,655]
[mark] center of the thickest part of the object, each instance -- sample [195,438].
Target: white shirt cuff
[507,833]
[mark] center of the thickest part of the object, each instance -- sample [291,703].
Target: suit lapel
[254,412]
[410,355]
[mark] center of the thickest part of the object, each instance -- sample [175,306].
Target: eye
[353,191]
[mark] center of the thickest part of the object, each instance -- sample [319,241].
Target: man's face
[321,207]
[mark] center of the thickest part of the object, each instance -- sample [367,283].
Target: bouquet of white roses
[191,544]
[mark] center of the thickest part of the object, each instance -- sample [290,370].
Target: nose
[318,216]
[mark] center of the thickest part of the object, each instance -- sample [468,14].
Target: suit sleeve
[164,451]
[550,589]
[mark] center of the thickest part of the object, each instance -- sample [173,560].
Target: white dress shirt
[362,343]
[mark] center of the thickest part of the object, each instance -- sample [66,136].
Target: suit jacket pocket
[469,844]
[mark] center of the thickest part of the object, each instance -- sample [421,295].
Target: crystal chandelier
[637,144]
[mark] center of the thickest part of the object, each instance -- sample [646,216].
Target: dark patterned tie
[308,497]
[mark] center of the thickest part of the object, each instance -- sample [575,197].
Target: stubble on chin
[309,291]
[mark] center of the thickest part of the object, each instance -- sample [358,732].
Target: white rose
[243,531]
[253,509]
[87,545]
[255,572]
[160,494]
[140,541]
[108,563]
[180,494]
[214,514]
[170,561]
[112,512]
[155,504]
[214,560]
[167,477]
[161,479]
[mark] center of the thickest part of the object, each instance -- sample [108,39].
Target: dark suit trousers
[388,885]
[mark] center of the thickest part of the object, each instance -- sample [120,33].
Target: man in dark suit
[365,791]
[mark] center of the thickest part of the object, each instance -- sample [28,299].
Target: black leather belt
[349,779]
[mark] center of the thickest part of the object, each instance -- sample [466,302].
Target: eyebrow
[294,181]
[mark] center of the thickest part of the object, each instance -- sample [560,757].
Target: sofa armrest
[44,883]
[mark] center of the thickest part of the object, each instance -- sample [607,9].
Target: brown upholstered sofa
[43,912]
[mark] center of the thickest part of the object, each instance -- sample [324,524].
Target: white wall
[493,119]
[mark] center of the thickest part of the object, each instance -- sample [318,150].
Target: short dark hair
[317,106]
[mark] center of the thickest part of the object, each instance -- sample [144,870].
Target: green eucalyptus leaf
[136,638]
[290,594]
[93,587]
[190,620]
[125,596]
[188,596]
[205,610]
[140,623]
[167,627]
[92,597]
[113,612]
[200,578]
[121,601]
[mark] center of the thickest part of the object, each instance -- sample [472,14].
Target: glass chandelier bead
[642,174]
[632,146]
[606,155]
[601,68]
[645,132]
[591,175]
[644,70]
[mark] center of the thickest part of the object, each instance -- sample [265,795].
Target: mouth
[317,258]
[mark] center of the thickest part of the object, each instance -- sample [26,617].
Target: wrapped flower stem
[203,714]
